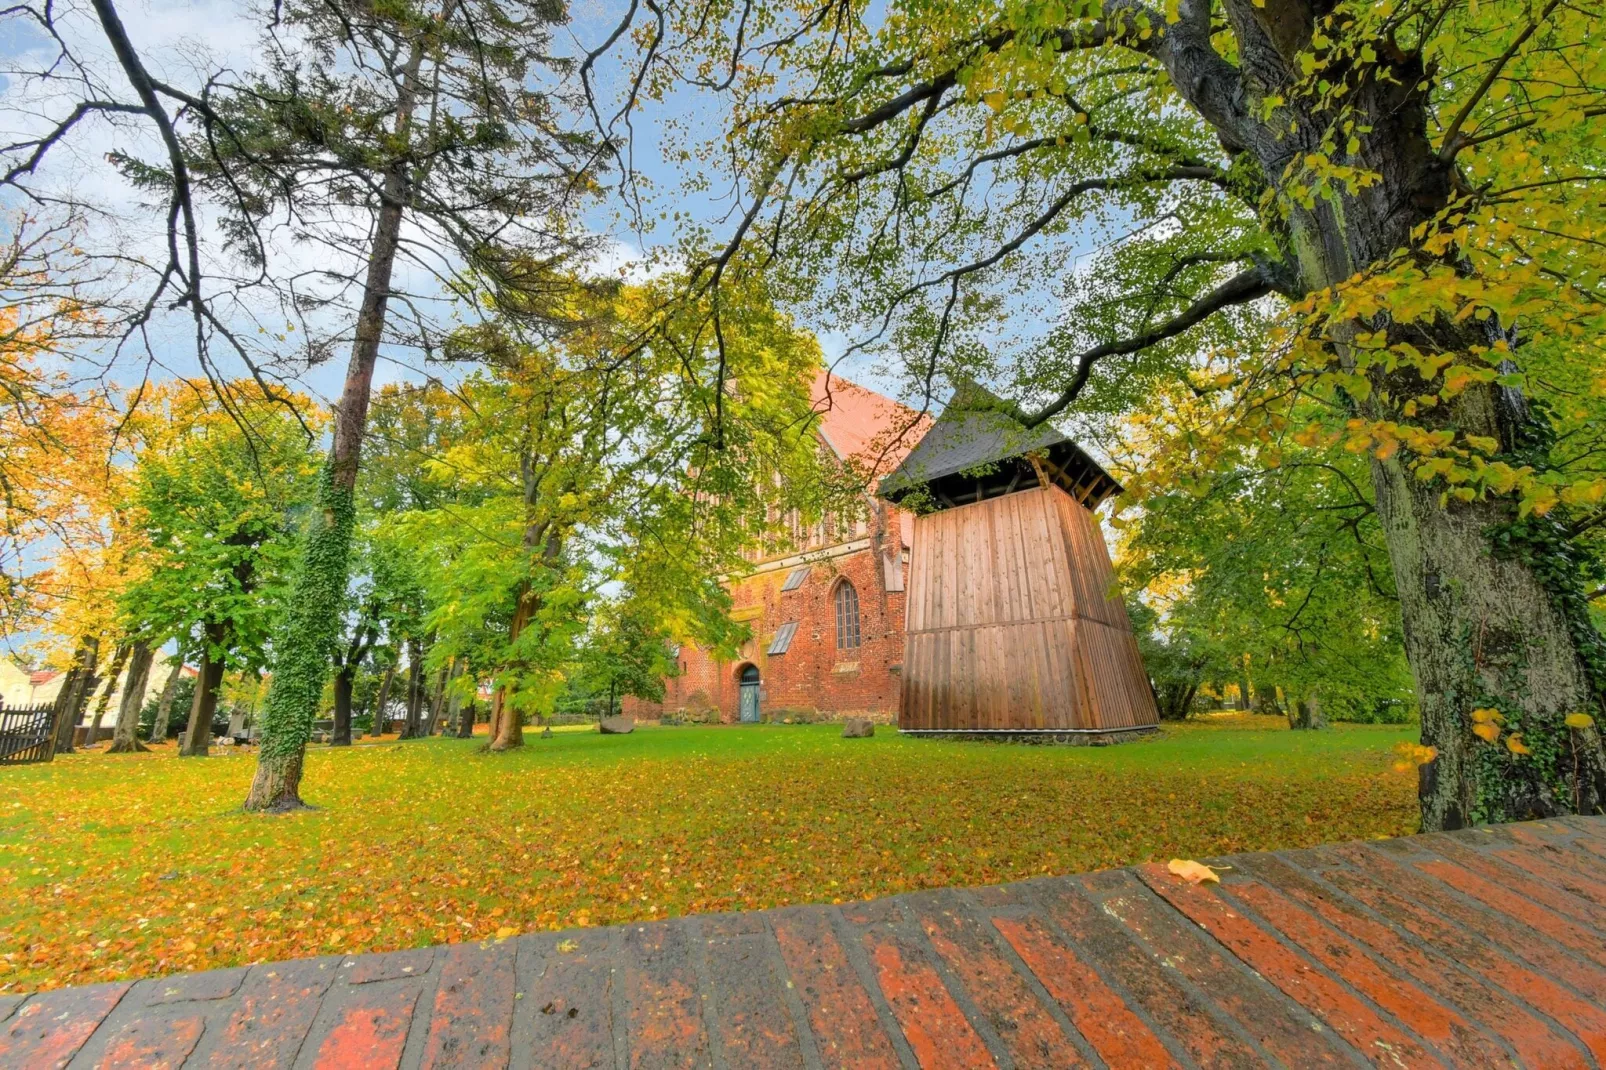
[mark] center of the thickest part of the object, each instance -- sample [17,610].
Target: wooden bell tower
[1013,624]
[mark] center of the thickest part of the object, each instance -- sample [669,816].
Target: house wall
[813,679]
[16,689]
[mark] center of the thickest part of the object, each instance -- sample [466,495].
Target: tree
[1272,558]
[52,428]
[409,425]
[386,601]
[595,461]
[626,652]
[218,497]
[119,659]
[161,708]
[1399,191]
[1176,660]
[125,736]
[433,113]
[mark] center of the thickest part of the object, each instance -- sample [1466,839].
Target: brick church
[826,610]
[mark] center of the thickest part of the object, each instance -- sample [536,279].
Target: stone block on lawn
[857,728]
[617,726]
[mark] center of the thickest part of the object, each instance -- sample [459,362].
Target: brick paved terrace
[1479,948]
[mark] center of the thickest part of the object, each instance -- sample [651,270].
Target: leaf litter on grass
[124,866]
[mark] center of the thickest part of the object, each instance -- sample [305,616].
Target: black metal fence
[27,734]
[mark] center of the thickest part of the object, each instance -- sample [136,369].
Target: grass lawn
[118,866]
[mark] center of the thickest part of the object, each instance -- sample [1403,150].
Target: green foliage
[457,102]
[563,471]
[625,652]
[1174,659]
[1276,559]
[1351,228]
[217,498]
[183,696]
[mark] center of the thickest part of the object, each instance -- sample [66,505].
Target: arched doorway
[748,710]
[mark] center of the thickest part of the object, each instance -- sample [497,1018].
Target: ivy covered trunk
[1496,626]
[1493,622]
[306,643]
[125,736]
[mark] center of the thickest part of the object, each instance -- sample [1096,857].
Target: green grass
[124,866]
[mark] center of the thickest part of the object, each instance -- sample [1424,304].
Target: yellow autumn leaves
[1413,755]
[1486,722]
[128,866]
[1193,872]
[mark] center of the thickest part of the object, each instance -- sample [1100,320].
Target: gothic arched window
[847,617]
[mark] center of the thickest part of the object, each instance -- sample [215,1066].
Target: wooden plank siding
[1014,622]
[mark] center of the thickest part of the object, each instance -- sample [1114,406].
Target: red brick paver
[1480,949]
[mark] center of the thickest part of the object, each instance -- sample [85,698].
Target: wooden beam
[1037,466]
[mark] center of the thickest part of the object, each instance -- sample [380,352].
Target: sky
[183,41]
[180,42]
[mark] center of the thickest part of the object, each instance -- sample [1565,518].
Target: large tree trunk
[377,728]
[198,733]
[466,718]
[1306,714]
[119,659]
[1483,630]
[75,692]
[62,741]
[1243,692]
[507,724]
[442,676]
[164,705]
[340,734]
[64,698]
[307,640]
[125,736]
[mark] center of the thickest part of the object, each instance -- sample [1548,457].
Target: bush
[1373,711]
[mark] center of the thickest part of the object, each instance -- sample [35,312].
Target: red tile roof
[863,426]
[42,676]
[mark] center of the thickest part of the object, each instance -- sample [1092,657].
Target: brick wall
[814,679]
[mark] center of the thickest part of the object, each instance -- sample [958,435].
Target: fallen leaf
[1486,732]
[506,931]
[1515,745]
[1192,872]
[1579,720]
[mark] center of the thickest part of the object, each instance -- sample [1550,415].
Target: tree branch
[1451,142]
[1248,285]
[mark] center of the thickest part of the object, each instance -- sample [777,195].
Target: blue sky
[180,40]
